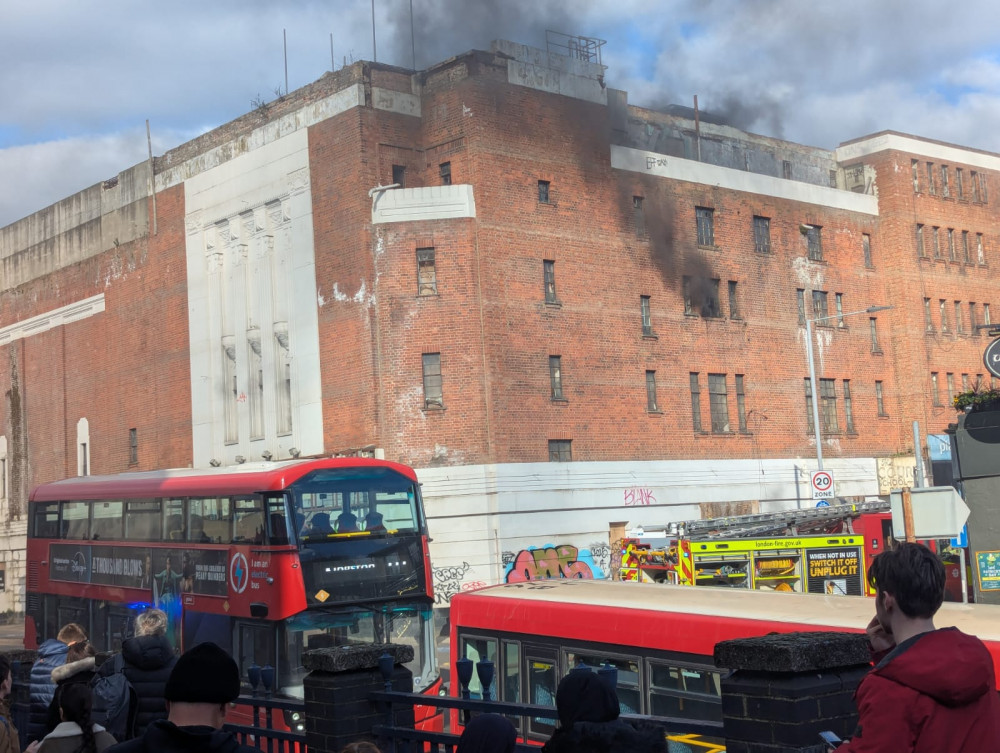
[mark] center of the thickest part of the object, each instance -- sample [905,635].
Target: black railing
[275,725]
[682,734]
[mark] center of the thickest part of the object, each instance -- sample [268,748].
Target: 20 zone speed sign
[822,485]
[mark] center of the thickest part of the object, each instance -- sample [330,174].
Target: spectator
[149,658]
[487,733]
[75,733]
[51,654]
[204,681]
[8,733]
[80,667]
[930,690]
[588,720]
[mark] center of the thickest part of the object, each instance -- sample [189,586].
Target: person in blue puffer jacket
[51,654]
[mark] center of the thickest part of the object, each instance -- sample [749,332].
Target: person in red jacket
[931,691]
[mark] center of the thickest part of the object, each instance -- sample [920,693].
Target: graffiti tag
[638,497]
[448,581]
[562,561]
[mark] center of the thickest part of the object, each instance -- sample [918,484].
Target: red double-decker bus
[267,560]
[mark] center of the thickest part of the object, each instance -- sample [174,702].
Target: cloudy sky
[79,79]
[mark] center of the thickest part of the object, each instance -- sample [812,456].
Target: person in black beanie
[588,720]
[203,682]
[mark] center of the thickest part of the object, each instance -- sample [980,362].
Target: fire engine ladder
[764,523]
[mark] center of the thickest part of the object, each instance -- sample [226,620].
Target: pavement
[12,636]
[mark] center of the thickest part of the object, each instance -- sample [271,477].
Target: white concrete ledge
[676,168]
[74,312]
[430,203]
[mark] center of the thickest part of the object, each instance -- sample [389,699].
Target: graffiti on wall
[448,581]
[637,496]
[551,561]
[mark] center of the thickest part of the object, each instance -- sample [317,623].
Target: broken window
[638,216]
[543,192]
[549,271]
[706,226]
[555,377]
[741,404]
[866,247]
[695,401]
[701,297]
[718,403]
[762,235]
[820,310]
[828,405]
[426,272]
[560,450]
[879,399]
[651,391]
[815,242]
[444,170]
[647,323]
[848,408]
[433,396]
[399,175]
[734,306]
[920,240]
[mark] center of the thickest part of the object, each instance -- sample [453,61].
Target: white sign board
[939,512]
[822,485]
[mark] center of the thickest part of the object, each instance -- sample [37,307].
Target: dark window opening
[399,175]
[433,395]
[426,272]
[549,269]
[444,170]
[560,450]
[543,192]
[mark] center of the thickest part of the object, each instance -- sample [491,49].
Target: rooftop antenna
[284,36]
[333,63]
[374,48]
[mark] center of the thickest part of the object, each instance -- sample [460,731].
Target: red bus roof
[182,482]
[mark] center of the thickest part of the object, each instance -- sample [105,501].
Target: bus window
[248,521]
[142,520]
[46,521]
[108,519]
[480,649]
[689,692]
[76,520]
[628,676]
[512,672]
[543,679]
[277,521]
[173,519]
[257,642]
[214,515]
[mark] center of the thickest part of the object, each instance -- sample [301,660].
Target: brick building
[488,266]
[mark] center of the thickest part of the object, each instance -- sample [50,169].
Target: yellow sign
[322,595]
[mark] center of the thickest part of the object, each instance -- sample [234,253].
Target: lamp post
[812,372]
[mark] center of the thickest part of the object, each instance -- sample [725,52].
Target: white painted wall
[482,516]
[252,279]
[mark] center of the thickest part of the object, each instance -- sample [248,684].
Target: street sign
[822,503]
[822,485]
[939,512]
[991,358]
[962,540]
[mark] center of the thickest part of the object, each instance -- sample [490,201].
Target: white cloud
[77,91]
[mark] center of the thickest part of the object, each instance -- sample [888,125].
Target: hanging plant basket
[978,400]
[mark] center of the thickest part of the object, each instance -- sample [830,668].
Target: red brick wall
[124,368]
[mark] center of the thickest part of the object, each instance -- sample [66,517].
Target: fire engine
[816,550]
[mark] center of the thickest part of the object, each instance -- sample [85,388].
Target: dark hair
[914,576]
[79,650]
[75,702]
[5,668]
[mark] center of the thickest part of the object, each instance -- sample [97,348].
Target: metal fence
[274,725]
[683,735]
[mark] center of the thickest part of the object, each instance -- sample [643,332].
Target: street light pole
[815,394]
[812,372]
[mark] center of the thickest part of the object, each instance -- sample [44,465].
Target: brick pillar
[337,709]
[786,689]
